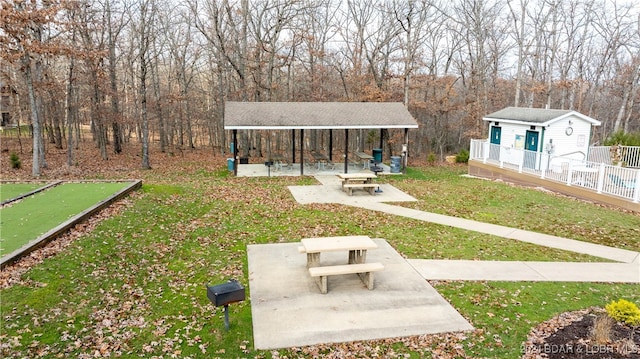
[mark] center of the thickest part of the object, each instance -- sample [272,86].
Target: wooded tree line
[159,71]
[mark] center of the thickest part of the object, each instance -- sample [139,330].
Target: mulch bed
[569,336]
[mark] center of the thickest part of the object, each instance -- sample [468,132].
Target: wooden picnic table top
[277,156]
[357,175]
[364,156]
[319,156]
[334,244]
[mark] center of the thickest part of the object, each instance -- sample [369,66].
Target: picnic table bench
[358,180]
[363,270]
[357,247]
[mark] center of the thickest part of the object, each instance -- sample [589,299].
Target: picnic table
[320,159]
[362,180]
[365,158]
[278,160]
[356,246]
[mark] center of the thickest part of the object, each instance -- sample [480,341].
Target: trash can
[377,155]
[230,164]
[395,164]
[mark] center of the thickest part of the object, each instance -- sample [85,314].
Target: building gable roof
[316,115]
[535,116]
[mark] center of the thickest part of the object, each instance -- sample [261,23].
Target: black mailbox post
[225,294]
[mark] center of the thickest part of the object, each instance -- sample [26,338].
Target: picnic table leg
[313,260]
[323,284]
[357,256]
[367,279]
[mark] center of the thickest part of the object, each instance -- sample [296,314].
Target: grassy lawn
[442,190]
[13,190]
[135,286]
[37,214]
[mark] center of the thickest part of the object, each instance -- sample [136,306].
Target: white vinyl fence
[599,176]
[629,156]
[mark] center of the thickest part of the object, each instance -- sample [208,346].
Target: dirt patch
[569,336]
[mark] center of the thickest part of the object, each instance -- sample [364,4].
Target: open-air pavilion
[303,116]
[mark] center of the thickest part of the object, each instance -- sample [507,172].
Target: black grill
[225,293]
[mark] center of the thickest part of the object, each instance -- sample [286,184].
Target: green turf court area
[13,190]
[37,214]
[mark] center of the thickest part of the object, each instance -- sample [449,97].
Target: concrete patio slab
[288,309]
[331,192]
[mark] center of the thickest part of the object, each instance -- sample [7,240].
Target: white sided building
[519,136]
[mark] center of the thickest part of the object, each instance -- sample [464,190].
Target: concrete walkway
[288,310]
[626,270]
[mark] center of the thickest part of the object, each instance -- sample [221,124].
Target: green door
[494,148]
[531,149]
[496,132]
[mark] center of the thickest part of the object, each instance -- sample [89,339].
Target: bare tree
[478,19]
[184,58]
[414,18]
[116,22]
[93,46]
[315,30]
[24,39]
[141,27]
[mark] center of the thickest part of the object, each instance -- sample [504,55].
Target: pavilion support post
[381,138]
[330,145]
[405,152]
[235,153]
[346,150]
[301,152]
[293,146]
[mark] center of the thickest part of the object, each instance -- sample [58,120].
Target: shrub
[624,311]
[601,331]
[462,156]
[431,158]
[15,160]
[622,138]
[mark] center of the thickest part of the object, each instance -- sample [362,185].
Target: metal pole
[301,152]
[226,317]
[330,145]
[346,150]
[235,153]
[293,146]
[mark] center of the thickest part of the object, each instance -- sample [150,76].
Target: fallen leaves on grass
[441,346]
[12,273]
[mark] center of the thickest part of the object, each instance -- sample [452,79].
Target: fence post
[600,177]
[486,147]
[570,173]
[636,191]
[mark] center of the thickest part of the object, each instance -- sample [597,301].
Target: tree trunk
[70,112]
[115,105]
[35,120]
